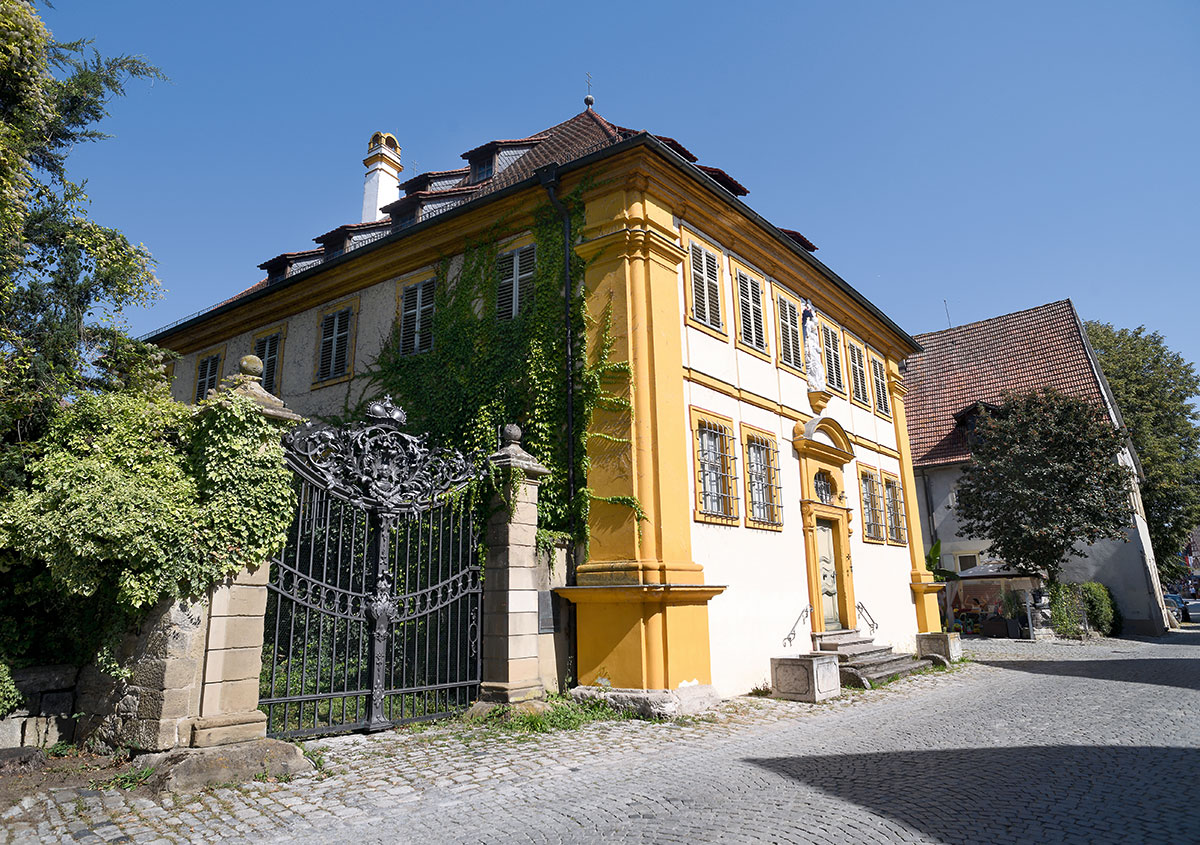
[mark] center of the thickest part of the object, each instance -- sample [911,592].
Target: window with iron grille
[267,349]
[750,303]
[514,292]
[833,358]
[893,495]
[791,340]
[208,373]
[883,404]
[334,356]
[872,506]
[706,287]
[823,486]
[762,480]
[716,473]
[858,374]
[416,318]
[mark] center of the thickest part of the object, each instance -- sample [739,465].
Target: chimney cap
[384,139]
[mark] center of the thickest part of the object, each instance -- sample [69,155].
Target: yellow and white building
[766,444]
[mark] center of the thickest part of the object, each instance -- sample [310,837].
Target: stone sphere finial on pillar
[251,365]
[510,435]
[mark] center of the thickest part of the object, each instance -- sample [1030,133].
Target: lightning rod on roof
[949,325]
[589,99]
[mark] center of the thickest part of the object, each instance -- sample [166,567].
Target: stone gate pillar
[511,666]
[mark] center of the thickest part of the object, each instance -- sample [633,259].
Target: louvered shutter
[883,403]
[525,268]
[409,313]
[325,359]
[341,344]
[789,334]
[699,288]
[746,309]
[425,317]
[833,358]
[207,373]
[506,269]
[756,312]
[267,350]
[712,278]
[858,375]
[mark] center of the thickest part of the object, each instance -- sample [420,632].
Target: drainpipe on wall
[933,535]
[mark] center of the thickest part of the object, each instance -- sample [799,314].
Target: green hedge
[1066,618]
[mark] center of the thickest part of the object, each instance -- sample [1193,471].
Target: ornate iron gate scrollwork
[373,606]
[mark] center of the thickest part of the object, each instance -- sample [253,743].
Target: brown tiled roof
[979,362]
[800,239]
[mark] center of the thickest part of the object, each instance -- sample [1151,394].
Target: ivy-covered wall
[483,372]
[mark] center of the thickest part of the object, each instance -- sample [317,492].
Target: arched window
[823,484]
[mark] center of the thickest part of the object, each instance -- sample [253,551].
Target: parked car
[1174,607]
[1182,603]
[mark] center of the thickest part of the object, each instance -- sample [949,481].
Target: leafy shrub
[1103,615]
[10,696]
[136,498]
[1066,617]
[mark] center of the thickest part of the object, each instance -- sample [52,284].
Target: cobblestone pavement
[1046,742]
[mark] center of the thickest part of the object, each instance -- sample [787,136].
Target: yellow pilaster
[642,614]
[924,588]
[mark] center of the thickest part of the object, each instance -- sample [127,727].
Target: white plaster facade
[764,571]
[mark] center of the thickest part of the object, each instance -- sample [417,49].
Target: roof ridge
[995,319]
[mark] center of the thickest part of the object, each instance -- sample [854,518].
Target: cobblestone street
[1054,742]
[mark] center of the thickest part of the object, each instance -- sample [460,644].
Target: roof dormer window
[482,168]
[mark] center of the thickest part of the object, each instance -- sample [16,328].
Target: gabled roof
[979,362]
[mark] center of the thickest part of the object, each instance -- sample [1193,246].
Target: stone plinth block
[947,646]
[806,677]
[653,703]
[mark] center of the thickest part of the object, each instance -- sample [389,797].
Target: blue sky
[995,156]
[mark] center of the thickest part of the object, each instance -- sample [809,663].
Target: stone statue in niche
[812,346]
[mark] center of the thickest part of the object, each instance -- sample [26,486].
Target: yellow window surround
[704,289]
[789,339]
[831,353]
[893,495]
[856,358]
[764,507]
[883,399]
[750,295]
[337,330]
[872,506]
[714,468]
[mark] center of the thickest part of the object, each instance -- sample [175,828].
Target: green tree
[1044,477]
[64,279]
[1155,389]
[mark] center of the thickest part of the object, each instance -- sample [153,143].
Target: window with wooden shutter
[883,402]
[791,341]
[893,495]
[514,290]
[208,373]
[872,506]
[334,356]
[833,358]
[267,348]
[858,374]
[416,318]
[706,287]
[750,304]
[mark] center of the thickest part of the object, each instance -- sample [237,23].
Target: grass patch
[564,714]
[763,690]
[125,780]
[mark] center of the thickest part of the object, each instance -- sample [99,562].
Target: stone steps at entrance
[864,662]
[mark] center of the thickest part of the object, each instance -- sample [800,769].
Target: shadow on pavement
[1036,793]
[1165,671]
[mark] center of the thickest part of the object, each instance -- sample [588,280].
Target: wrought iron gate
[373,608]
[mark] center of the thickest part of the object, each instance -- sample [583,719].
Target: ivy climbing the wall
[483,372]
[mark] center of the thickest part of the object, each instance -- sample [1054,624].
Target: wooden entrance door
[829,577]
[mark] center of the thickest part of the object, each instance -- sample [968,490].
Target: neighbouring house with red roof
[964,368]
[763,437]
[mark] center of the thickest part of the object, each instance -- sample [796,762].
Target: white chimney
[383,175]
